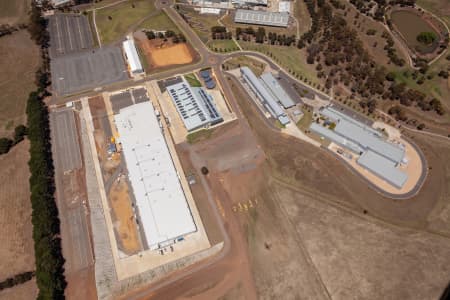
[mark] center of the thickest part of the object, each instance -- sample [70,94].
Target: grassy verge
[223,45]
[279,125]
[306,119]
[159,22]
[290,58]
[90,16]
[143,58]
[201,24]
[199,135]
[255,65]
[192,80]
[114,22]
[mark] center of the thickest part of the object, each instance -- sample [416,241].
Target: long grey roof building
[376,154]
[277,90]
[276,19]
[265,97]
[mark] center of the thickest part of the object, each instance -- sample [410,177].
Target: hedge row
[16,279]
[47,243]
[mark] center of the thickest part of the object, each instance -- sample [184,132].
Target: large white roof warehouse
[132,56]
[163,210]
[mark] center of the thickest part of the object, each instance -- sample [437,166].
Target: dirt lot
[19,58]
[126,226]
[16,240]
[162,54]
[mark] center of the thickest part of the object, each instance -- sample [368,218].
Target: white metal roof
[132,56]
[208,10]
[284,6]
[278,19]
[277,90]
[383,168]
[365,136]
[266,98]
[164,212]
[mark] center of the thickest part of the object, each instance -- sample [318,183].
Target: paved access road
[65,140]
[69,191]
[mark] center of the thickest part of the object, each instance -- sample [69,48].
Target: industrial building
[277,90]
[57,3]
[194,105]
[276,19]
[132,57]
[376,154]
[240,3]
[264,96]
[164,214]
[284,6]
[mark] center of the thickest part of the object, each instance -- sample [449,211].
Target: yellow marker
[246,207]
[250,203]
[240,206]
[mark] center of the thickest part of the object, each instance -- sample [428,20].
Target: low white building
[132,57]
[57,3]
[163,210]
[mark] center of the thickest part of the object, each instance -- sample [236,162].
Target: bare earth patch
[16,243]
[25,291]
[19,58]
[162,54]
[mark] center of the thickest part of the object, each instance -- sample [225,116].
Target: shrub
[427,37]
[5,145]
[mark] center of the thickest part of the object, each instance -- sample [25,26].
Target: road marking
[68,33]
[81,35]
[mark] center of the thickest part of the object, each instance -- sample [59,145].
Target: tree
[150,35]
[5,145]
[204,170]
[19,133]
[426,38]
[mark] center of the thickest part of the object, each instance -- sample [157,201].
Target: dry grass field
[312,228]
[126,226]
[16,243]
[25,291]
[19,58]
[14,11]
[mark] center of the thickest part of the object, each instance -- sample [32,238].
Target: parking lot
[127,98]
[86,70]
[69,33]
[66,140]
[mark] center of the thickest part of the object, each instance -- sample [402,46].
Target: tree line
[46,225]
[168,34]
[16,280]
[340,58]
